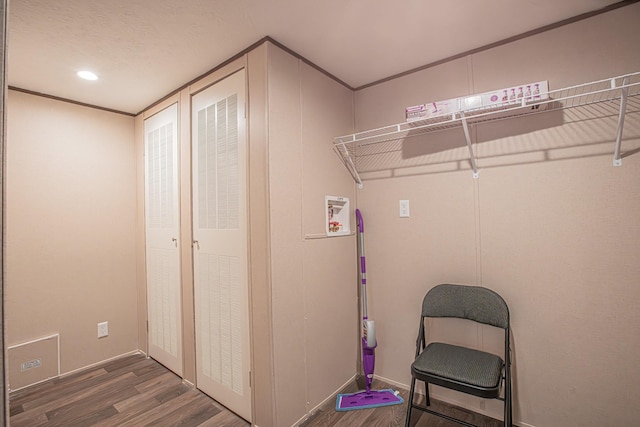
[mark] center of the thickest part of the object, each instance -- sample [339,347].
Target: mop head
[368,399]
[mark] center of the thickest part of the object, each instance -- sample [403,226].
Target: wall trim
[111,359]
[271,40]
[266,39]
[404,73]
[189,384]
[511,39]
[70,101]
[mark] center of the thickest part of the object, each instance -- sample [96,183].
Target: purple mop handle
[368,353]
[363,267]
[359,221]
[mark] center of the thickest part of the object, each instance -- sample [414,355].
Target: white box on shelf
[495,98]
[415,112]
[432,109]
[530,93]
[442,108]
[471,102]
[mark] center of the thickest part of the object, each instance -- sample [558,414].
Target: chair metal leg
[508,418]
[508,392]
[426,393]
[410,402]
[508,407]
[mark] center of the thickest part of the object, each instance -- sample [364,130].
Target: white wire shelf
[617,95]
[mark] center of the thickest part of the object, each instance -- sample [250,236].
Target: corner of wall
[264,396]
[141,284]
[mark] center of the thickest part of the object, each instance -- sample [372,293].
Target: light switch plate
[103,329]
[404,209]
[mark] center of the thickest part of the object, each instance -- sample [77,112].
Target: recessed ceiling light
[87,75]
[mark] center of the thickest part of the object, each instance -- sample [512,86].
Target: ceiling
[143,50]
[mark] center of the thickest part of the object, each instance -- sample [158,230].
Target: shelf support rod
[350,165]
[617,160]
[472,157]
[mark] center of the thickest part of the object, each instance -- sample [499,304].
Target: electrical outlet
[103,329]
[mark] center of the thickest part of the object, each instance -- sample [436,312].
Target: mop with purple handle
[366,398]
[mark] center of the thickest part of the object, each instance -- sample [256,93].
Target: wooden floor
[136,391]
[132,391]
[393,416]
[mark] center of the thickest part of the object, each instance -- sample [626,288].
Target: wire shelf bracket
[617,160]
[472,157]
[622,88]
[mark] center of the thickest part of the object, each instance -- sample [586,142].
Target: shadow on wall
[580,132]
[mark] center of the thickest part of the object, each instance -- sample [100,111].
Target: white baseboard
[393,383]
[93,365]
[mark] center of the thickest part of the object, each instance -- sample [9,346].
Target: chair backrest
[466,302]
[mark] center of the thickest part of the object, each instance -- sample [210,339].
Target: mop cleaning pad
[368,399]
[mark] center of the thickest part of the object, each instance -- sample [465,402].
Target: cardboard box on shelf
[505,97]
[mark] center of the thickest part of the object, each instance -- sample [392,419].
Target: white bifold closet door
[220,243]
[162,231]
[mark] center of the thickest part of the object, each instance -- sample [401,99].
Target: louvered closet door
[162,231]
[220,251]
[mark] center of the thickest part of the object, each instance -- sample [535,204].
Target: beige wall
[4,395]
[329,264]
[70,237]
[550,224]
[313,279]
[285,199]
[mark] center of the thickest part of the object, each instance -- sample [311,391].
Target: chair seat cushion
[460,364]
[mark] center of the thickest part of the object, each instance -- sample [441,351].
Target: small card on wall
[337,215]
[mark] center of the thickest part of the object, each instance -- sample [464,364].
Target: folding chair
[460,368]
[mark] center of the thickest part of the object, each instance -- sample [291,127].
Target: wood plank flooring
[132,391]
[136,391]
[393,416]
